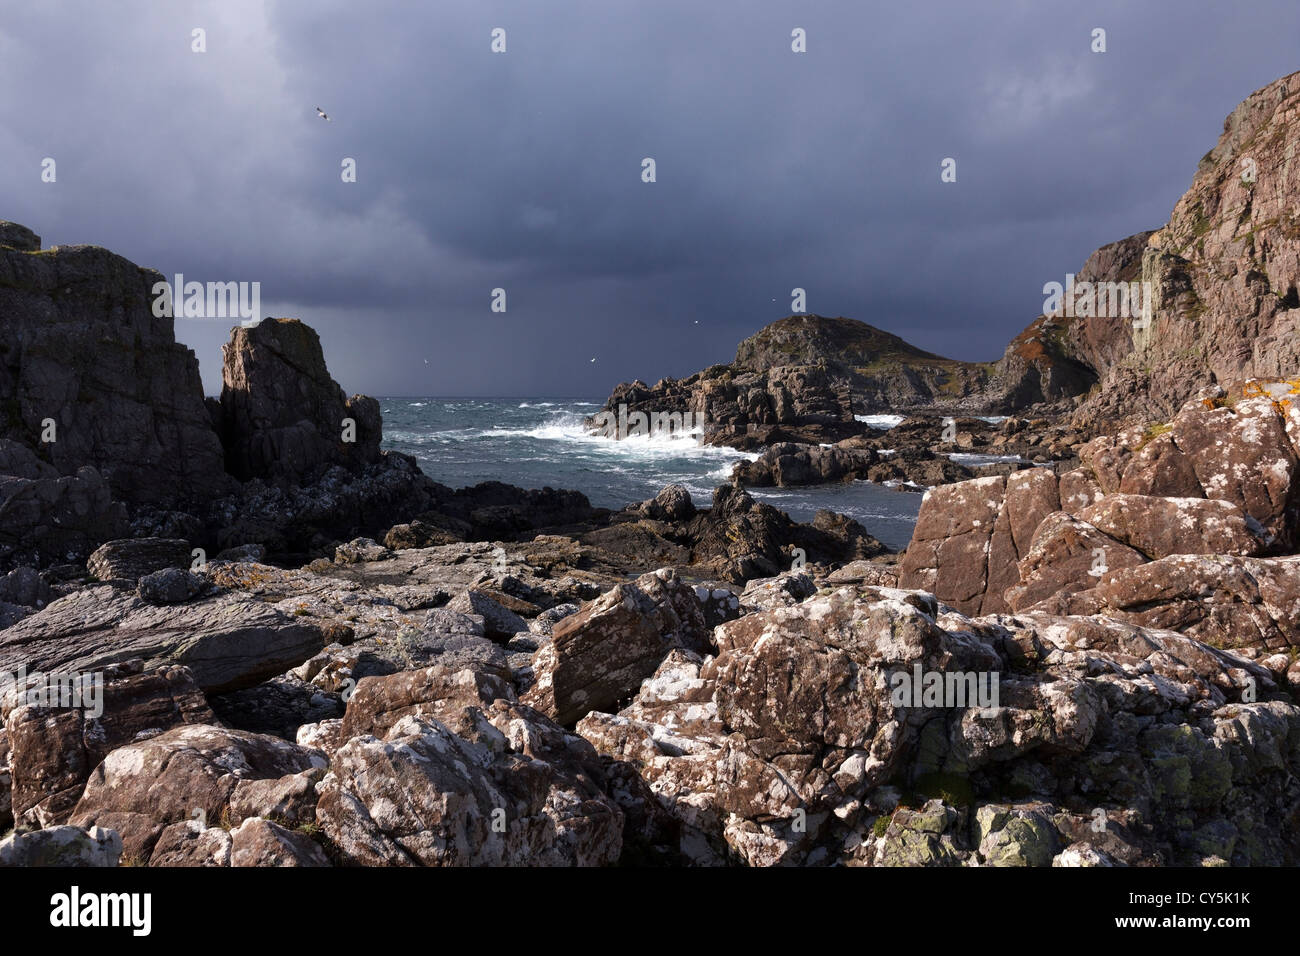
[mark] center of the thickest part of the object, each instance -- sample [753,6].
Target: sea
[539,442]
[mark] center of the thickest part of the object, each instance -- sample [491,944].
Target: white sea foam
[571,429]
[969,459]
[884,422]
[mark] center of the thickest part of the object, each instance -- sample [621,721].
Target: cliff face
[1222,276]
[81,351]
[1061,356]
[1224,270]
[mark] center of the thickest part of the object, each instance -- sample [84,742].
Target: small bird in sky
[322,114]
[697,321]
[426,361]
[593,360]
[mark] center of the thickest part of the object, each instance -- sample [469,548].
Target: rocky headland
[237,632]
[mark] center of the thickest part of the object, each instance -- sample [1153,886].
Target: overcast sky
[523,170]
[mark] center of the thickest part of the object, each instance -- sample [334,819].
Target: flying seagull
[322,114]
[593,360]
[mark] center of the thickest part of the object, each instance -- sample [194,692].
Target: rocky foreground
[526,703]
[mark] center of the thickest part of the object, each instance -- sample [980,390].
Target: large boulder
[186,775]
[949,552]
[130,559]
[443,768]
[54,747]
[258,842]
[600,655]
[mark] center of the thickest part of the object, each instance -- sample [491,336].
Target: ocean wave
[885,422]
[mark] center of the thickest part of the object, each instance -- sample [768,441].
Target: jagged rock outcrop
[85,362]
[185,776]
[1116,536]
[283,418]
[600,655]
[442,769]
[45,517]
[104,431]
[1062,356]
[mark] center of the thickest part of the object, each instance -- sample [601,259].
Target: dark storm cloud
[522,170]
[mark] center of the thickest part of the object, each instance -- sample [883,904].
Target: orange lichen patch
[1276,389]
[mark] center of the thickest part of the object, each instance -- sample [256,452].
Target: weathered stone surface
[50,518]
[258,842]
[1159,527]
[1242,455]
[1067,555]
[188,773]
[1015,835]
[62,846]
[509,788]
[950,544]
[673,503]
[1222,600]
[53,749]
[922,837]
[544,624]
[227,641]
[600,655]
[499,623]
[288,800]
[1214,481]
[1221,273]
[451,697]
[171,586]
[191,844]
[279,706]
[130,559]
[18,237]
[808,729]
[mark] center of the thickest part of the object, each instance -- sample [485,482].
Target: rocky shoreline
[236,632]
